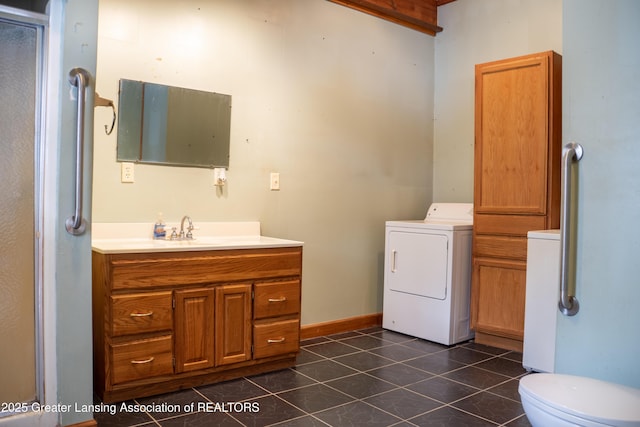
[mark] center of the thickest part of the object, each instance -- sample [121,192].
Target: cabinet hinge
[252,351]
[253,295]
[173,362]
[173,303]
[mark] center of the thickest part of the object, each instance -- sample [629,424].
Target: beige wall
[475,32]
[338,102]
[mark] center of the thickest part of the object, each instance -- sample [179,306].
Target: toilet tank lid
[584,397]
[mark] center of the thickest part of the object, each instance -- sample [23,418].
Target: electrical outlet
[126,172]
[219,177]
[274,183]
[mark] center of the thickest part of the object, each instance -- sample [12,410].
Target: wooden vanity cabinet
[170,320]
[516,185]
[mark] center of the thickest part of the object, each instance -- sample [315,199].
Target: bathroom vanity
[171,315]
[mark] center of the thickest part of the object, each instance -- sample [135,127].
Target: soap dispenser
[159,232]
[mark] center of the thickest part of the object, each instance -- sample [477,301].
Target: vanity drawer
[139,313]
[500,246]
[167,269]
[276,299]
[274,338]
[142,359]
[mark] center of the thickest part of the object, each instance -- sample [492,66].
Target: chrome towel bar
[568,304]
[75,224]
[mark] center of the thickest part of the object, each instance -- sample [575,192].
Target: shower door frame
[39,23]
[66,374]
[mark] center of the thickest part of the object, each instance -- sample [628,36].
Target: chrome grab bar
[75,224]
[568,304]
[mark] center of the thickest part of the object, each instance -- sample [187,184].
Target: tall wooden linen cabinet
[516,185]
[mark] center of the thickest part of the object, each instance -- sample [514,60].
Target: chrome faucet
[189,234]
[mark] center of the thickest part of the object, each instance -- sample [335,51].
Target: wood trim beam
[398,16]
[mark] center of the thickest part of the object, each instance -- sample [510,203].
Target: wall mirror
[168,125]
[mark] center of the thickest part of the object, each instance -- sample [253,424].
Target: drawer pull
[275,340]
[281,299]
[147,314]
[142,362]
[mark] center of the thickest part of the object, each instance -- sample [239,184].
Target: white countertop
[110,238]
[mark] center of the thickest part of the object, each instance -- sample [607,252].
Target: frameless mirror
[175,126]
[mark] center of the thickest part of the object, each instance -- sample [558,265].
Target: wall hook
[103,102]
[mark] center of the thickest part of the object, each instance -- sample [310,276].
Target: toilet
[556,400]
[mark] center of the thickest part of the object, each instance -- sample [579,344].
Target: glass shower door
[20,62]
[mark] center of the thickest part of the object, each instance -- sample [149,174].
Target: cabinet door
[512,135]
[498,297]
[194,329]
[233,323]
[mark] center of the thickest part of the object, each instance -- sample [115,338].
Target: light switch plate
[274,183]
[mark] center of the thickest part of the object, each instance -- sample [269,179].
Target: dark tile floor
[369,377]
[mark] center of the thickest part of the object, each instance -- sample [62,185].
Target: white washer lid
[553,234]
[585,397]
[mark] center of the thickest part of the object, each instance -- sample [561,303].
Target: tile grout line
[369,351]
[492,356]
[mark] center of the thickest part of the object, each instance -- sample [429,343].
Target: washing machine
[427,274]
